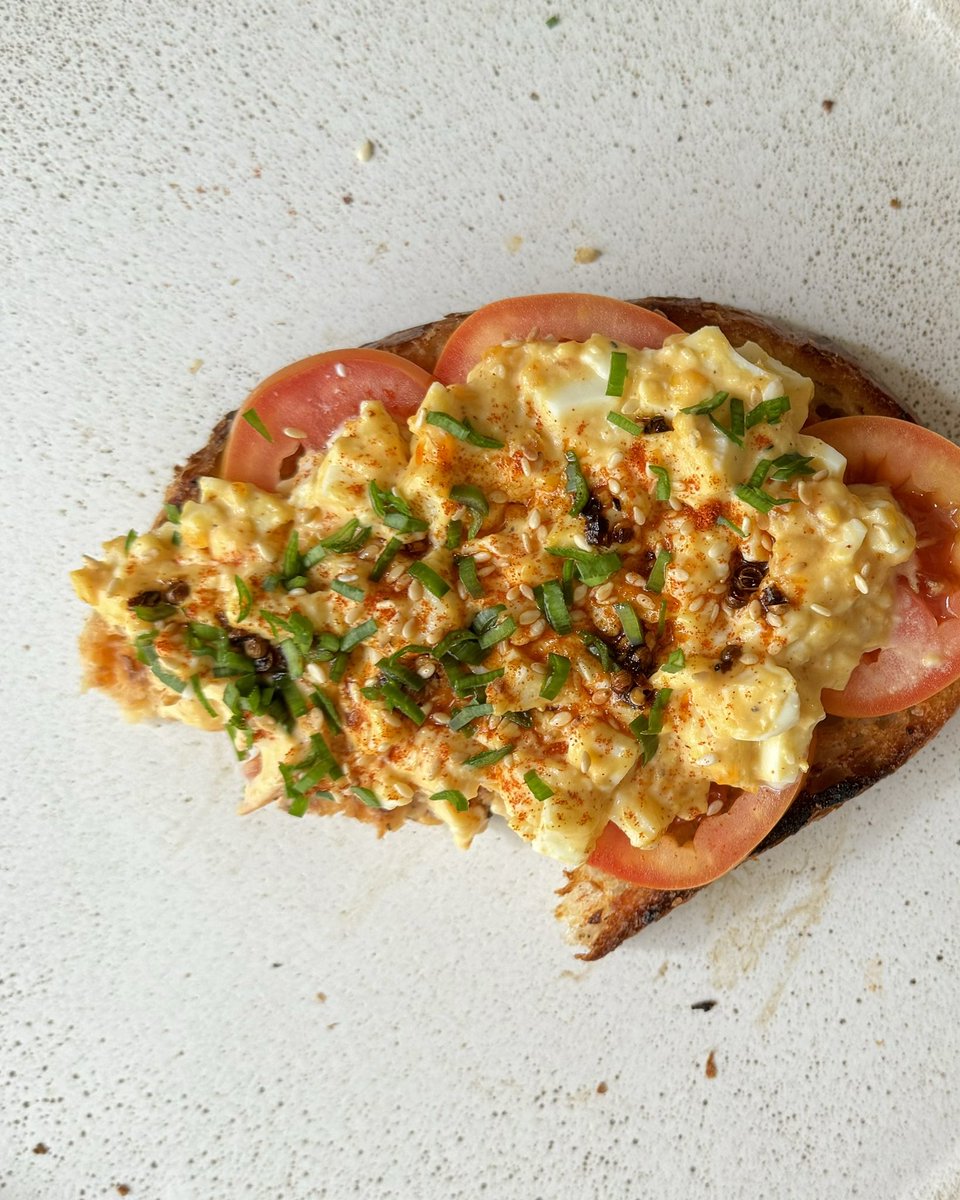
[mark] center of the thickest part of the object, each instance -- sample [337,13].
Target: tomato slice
[718,843]
[567,316]
[922,470]
[314,397]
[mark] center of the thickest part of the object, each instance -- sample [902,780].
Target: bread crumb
[322,997]
[601,1088]
[123,1189]
[586,254]
[514,243]
[365,150]
[40,1148]
[827,105]
[896,202]
[195,366]
[711,1068]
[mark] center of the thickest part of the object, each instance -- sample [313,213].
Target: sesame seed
[614,487]
[714,807]
[803,491]
[537,628]
[679,574]
[498,497]
[580,593]
[526,590]
[820,610]
[774,620]
[755,610]
[539,668]
[440,718]
[297,592]
[340,370]
[415,590]
[542,533]
[409,631]
[534,519]
[766,541]
[577,614]
[599,696]
[713,611]
[561,718]
[602,685]
[685,526]
[632,578]
[513,594]
[527,541]
[461,591]
[716,551]
[615,459]
[675,504]
[391,719]
[747,524]
[861,584]
[482,574]
[349,577]
[723,570]
[394,573]
[531,453]
[584,762]
[427,670]
[748,660]
[316,673]
[291,431]
[708,760]
[403,789]
[865,569]
[820,475]
[604,592]
[639,516]
[482,556]
[580,542]
[696,603]
[528,617]
[525,466]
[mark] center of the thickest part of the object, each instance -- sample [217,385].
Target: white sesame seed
[528,617]
[409,631]
[392,719]
[696,604]
[714,807]
[639,516]
[820,475]
[579,593]
[485,571]
[716,551]
[713,611]
[584,762]
[440,718]
[403,789]
[580,542]
[602,685]
[349,577]
[527,541]
[415,590]
[498,497]
[723,570]
[316,673]
[766,541]
[482,556]
[525,466]
[707,760]
[675,504]
[427,670]
[340,370]
[461,591]
[685,526]
[513,594]
[865,569]
[534,519]
[748,660]
[614,487]
[820,610]
[755,610]
[291,431]
[803,491]
[538,627]
[679,574]
[746,524]
[297,592]
[774,620]
[531,453]
[604,592]
[861,584]
[615,459]
[526,590]
[577,614]
[561,718]
[394,573]
[539,668]
[632,578]
[542,533]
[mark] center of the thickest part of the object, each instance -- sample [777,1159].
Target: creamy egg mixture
[589,584]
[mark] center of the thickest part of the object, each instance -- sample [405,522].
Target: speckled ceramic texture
[194,1005]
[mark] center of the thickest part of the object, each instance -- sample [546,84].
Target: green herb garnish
[471,497]
[346,589]
[558,670]
[329,710]
[630,623]
[434,584]
[499,633]
[555,606]
[707,406]
[488,757]
[647,728]
[200,695]
[129,540]
[467,570]
[769,411]
[252,418]
[173,513]
[658,572]
[244,597]
[393,510]
[576,484]
[593,569]
[676,662]
[788,466]
[470,712]
[662,491]
[598,648]
[454,535]
[618,373]
[385,558]
[462,430]
[456,800]
[623,422]
[147,654]
[356,635]
[367,797]
[728,524]
[541,791]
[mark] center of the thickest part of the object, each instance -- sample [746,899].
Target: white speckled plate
[197,1005]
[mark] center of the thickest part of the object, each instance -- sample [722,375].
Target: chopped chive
[676,662]
[576,484]
[707,406]
[454,535]
[788,466]
[398,673]
[486,618]
[593,569]
[467,683]
[147,654]
[658,572]
[488,757]
[129,540]
[555,606]
[298,806]
[456,800]
[385,558]
[522,719]
[329,710]
[647,728]
[290,563]
[630,623]
[461,644]
[618,373]
[175,538]
[367,797]
[470,712]
[462,430]
[552,22]
[394,510]
[314,555]
[757,498]
[769,411]
[558,670]
[760,472]
[252,418]
[245,598]
[725,521]
[154,612]
[569,569]
[173,513]
[471,497]
[295,581]
[623,422]
[404,524]
[662,617]
[598,648]
[541,791]
[348,538]
[498,634]
[293,698]
[467,570]
[729,434]
[662,491]
[271,583]
[434,584]
[394,698]
[293,658]
[346,589]
[359,633]
[199,693]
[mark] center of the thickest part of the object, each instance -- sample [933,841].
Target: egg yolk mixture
[590,584]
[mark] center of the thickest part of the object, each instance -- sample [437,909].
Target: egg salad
[590,584]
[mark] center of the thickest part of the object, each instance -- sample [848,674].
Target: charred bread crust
[849,755]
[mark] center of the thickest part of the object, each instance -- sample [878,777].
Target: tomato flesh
[313,397]
[922,470]
[566,316]
[718,843]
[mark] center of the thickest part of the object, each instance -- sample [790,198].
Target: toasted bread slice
[848,755]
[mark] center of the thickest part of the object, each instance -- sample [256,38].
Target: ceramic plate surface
[195,1005]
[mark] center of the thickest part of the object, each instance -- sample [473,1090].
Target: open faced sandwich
[657,583]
